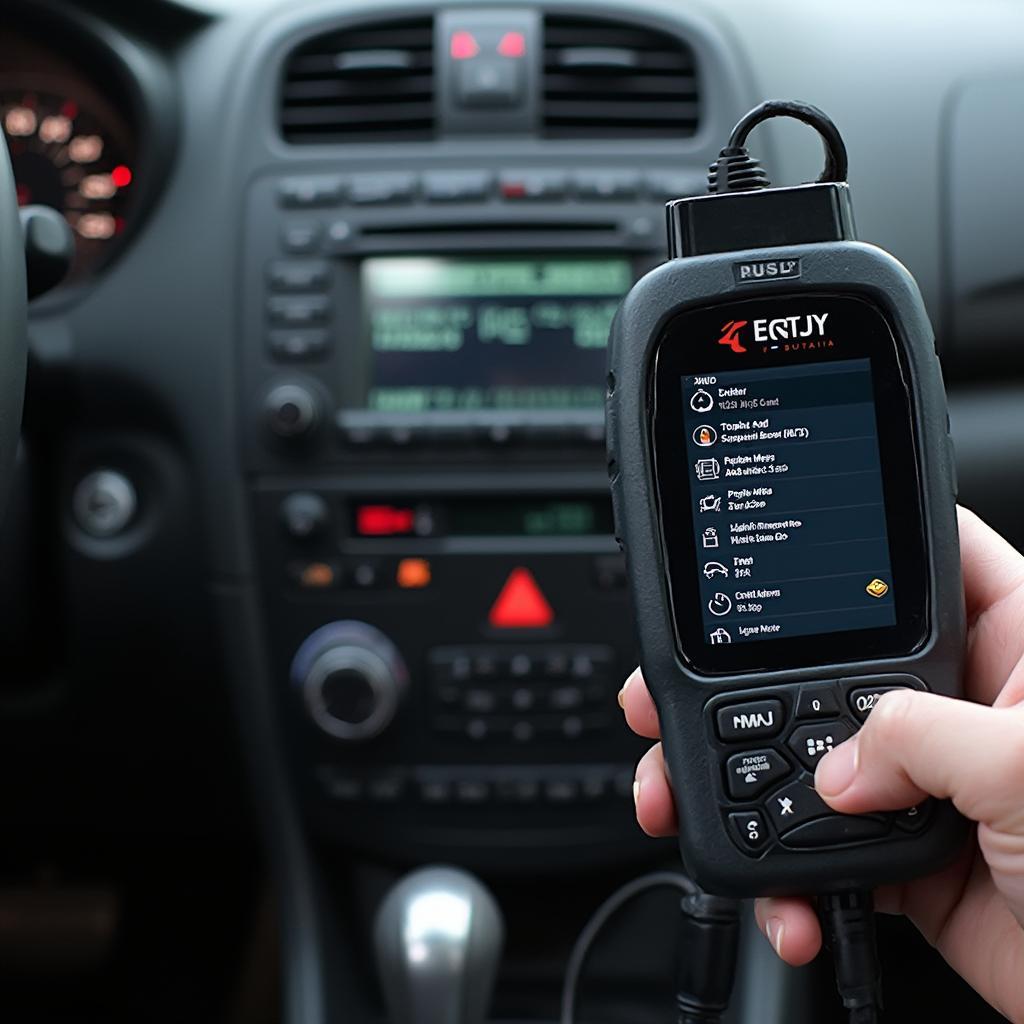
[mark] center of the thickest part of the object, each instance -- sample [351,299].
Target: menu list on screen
[788,510]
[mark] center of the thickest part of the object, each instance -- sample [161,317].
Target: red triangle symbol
[521,604]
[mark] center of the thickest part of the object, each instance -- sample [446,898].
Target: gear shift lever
[438,937]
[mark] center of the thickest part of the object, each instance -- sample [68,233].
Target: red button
[513,44]
[521,604]
[463,45]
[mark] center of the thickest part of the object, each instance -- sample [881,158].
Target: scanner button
[794,805]
[747,721]
[863,700]
[811,743]
[750,830]
[750,774]
[817,702]
[835,831]
[913,819]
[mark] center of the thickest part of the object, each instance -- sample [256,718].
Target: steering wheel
[13,302]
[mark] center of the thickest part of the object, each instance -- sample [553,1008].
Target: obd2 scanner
[784,490]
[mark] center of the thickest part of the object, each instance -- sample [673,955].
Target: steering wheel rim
[13,304]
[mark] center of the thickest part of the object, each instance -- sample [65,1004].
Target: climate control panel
[449,659]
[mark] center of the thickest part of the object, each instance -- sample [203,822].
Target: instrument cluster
[71,111]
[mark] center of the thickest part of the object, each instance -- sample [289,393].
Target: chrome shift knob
[438,938]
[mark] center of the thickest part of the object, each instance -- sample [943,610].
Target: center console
[447,610]
[436,232]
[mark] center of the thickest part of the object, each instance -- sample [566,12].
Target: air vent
[608,79]
[362,84]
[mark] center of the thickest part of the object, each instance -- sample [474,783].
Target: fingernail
[838,768]
[776,928]
[622,692]
[636,792]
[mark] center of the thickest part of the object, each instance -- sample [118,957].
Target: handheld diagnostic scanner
[784,490]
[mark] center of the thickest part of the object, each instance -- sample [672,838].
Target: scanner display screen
[787,477]
[789,507]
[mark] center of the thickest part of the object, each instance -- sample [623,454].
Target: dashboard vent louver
[365,83]
[606,79]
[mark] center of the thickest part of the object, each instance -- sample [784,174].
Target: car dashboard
[312,550]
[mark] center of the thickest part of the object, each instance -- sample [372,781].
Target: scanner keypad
[768,745]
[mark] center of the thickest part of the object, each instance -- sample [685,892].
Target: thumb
[919,744]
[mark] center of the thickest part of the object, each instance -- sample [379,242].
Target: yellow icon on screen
[877,588]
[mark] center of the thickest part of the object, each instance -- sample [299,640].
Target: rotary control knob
[304,514]
[292,411]
[352,679]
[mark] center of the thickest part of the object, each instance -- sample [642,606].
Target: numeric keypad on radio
[517,695]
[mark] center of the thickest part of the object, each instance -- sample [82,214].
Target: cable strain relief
[848,924]
[707,947]
[736,170]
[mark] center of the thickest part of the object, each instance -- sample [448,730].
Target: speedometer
[74,156]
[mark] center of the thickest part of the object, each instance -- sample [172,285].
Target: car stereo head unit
[388,326]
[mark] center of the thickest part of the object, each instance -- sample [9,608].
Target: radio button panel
[517,696]
[473,185]
[302,344]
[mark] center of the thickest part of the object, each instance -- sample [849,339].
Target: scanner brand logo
[753,271]
[731,335]
[781,333]
[790,328]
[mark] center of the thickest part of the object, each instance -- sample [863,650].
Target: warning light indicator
[513,44]
[384,521]
[413,574]
[463,46]
[521,604]
[121,176]
[317,576]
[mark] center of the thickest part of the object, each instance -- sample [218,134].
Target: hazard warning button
[521,604]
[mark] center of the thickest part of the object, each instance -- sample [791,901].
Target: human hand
[912,746]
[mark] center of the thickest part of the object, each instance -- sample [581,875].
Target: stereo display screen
[464,333]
